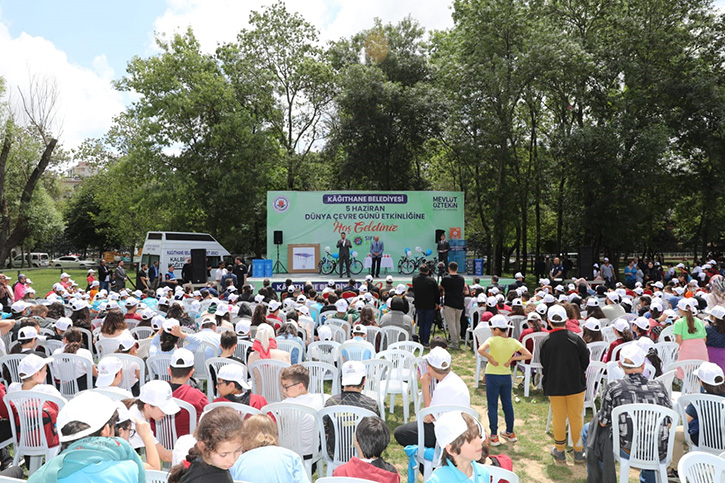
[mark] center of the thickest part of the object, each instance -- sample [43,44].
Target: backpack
[50,416]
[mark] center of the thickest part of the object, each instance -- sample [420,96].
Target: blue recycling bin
[257,268]
[268,264]
[478,266]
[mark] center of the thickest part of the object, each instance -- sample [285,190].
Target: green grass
[44,278]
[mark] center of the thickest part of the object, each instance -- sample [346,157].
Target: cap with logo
[341,305]
[158,393]
[233,373]
[108,367]
[359,329]
[353,373]
[439,358]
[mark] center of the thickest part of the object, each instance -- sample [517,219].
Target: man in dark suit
[104,276]
[427,298]
[343,256]
[443,248]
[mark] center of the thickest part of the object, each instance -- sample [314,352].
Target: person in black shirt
[240,270]
[343,258]
[186,272]
[142,278]
[443,247]
[426,301]
[453,302]
[104,276]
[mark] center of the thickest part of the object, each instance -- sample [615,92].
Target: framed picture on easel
[303,258]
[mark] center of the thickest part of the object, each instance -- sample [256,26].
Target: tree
[27,149]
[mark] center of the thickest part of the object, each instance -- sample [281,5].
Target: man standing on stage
[376,252]
[343,257]
[443,247]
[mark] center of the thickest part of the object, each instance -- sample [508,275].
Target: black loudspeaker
[277,237]
[198,265]
[586,263]
[438,235]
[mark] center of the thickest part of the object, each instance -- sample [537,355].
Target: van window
[154,236]
[44,256]
[189,237]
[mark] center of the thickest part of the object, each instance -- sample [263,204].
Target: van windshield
[44,257]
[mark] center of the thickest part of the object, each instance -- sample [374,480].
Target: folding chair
[265,378]
[293,422]
[29,433]
[647,419]
[710,411]
[343,421]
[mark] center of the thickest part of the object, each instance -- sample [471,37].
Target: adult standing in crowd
[119,277]
[343,256]
[426,302]
[240,270]
[104,276]
[453,302]
[564,360]
[376,253]
[607,273]
[557,270]
[154,275]
[443,248]
[142,278]
[6,294]
[19,287]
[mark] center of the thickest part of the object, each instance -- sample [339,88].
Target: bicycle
[328,264]
[406,266]
[356,266]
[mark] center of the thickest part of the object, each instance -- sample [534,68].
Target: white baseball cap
[77,409]
[169,324]
[222,310]
[389,279]
[642,323]
[633,353]
[182,358]
[491,301]
[556,314]
[273,305]
[31,364]
[235,373]
[498,321]
[108,367]
[324,332]
[517,302]
[123,413]
[147,314]
[341,305]
[158,393]
[549,299]
[717,312]
[400,289]
[439,358]
[131,302]
[613,296]
[541,309]
[659,285]
[533,315]
[243,327]
[544,281]
[368,278]
[353,373]
[27,333]
[157,321]
[710,373]
[621,325]
[303,309]
[359,329]
[330,283]
[19,306]
[63,323]
[593,324]
[64,275]
[126,342]
[449,426]
[518,275]
[259,298]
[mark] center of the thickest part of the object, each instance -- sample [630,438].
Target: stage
[319,281]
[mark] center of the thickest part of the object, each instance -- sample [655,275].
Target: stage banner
[402,219]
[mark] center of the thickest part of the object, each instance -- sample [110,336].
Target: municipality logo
[281,204]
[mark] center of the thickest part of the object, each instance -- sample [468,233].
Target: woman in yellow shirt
[500,351]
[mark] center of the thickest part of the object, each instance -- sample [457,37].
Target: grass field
[44,278]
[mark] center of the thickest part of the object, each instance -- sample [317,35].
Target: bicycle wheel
[327,266]
[408,267]
[356,266]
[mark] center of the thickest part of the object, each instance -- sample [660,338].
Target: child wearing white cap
[232,386]
[500,351]
[181,370]
[712,380]
[155,401]
[33,372]
[460,437]
[623,334]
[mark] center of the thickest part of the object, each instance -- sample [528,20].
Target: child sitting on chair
[371,438]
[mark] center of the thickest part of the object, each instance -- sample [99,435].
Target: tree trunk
[560,216]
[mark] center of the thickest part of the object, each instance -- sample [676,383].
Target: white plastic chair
[597,350]
[480,335]
[52,345]
[292,422]
[158,367]
[292,347]
[141,333]
[343,324]
[667,351]
[201,354]
[517,322]
[614,372]
[212,367]
[242,349]
[608,334]
[699,467]
[685,372]
[115,396]
[65,371]
[616,351]
[391,335]
[534,364]
[401,380]
[500,474]
[436,411]
[353,350]
[166,428]
[10,362]
[710,411]
[242,409]
[667,334]
[647,419]
[343,421]
[155,476]
[130,364]
[319,373]
[338,333]
[667,378]
[88,339]
[27,405]
[265,378]
[376,381]
[413,347]
[323,351]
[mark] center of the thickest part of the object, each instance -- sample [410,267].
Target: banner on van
[402,219]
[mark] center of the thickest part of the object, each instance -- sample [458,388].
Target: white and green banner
[402,219]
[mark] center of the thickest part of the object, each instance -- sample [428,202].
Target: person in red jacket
[371,438]
[232,386]
[181,370]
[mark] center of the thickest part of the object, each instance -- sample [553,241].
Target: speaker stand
[278,266]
